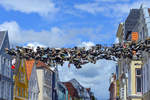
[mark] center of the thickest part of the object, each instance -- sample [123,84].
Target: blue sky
[68,23]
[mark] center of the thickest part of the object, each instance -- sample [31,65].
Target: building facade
[144,28]
[130,76]
[6,74]
[33,86]
[55,82]
[72,92]
[44,81]
[82,92]
[92,97]
[20,81]
[113,88]
[62,91]
[122,66]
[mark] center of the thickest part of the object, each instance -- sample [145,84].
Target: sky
[69,23]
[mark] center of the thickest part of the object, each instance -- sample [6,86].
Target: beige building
[44,76]
[135,80]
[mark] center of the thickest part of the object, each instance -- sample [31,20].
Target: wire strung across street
[79,56]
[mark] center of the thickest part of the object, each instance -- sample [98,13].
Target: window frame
[138,76]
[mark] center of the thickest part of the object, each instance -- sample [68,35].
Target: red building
[72,92]
[113,88]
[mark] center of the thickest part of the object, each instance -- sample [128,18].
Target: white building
[44,75]
[6,75]
[145,34]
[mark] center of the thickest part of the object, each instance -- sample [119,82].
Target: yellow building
[20,81]
[135,80]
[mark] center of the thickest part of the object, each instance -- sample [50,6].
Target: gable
[21,72]
[34,79]
[2,36]
[4,40]
[29,66]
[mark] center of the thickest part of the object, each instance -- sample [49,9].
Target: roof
[29,65]
[71,90]
[40,64]
[2,35]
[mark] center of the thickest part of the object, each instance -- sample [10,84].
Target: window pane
[138,71]
[138,83]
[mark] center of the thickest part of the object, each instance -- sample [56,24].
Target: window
[22,92]
[21,77]
[138,81]
[4,61]
[19,92]
[16,91]
[143,32]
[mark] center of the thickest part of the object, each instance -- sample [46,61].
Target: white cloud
[117,9]
[35,44]
[42,7]
[92,8]
[55,37]
[14,31]
[87,45]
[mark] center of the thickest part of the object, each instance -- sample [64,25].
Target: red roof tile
[40,64]
[29,65]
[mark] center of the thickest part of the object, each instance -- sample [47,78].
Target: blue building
[6,74]
[62,92]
